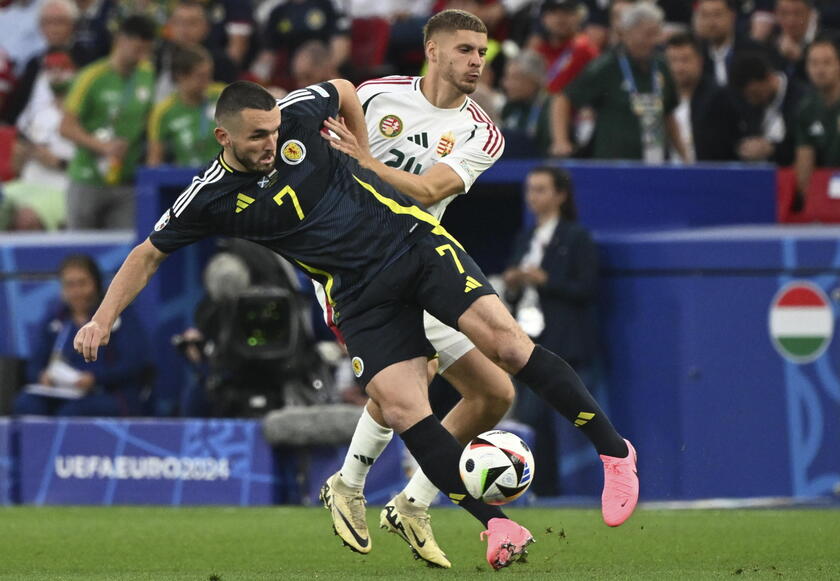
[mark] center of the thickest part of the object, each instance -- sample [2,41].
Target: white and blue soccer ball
[497,467]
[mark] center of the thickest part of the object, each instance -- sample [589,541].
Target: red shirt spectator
[566,52]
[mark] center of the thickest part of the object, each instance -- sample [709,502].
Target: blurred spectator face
[685,64]
[641,40]
[760,93]
[130,51]
[460,58]
[60,70]
[78,289]
[560,23]
[616,8]
[518,84]
[197,81]
[714,21]
[793,17]
[543,199]
[57,25]
[824,66]
[312,64]
[188,24]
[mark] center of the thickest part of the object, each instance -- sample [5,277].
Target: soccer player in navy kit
[382,260]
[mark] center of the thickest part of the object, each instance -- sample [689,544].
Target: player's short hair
[452,21]
[241,95]
[682,39]
[185,59]
[749,67]
[138,26]
[562,182]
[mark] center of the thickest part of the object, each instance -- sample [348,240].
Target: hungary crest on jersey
[390,126]
[445,145]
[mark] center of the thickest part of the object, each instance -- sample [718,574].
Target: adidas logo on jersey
[421,139]
[471,284]
[242,202]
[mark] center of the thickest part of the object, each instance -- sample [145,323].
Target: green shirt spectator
[182,128]
[110,105]
[630,102]
[631,93]
[105,117]
[186,130]
[817,127]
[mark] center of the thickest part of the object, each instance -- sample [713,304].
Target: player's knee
[399,417]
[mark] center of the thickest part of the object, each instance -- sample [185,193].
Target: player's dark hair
[186,58]
[562,182]
[241,95]
[86,263]
[138,26]
[685,39]
[452,21]
[749,67]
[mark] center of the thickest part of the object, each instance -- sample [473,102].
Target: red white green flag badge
[801,322]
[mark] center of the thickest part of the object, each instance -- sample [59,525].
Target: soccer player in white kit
[431,141]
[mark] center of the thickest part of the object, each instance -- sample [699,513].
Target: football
[497,467]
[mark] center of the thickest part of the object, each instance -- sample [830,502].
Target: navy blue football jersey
[318,208]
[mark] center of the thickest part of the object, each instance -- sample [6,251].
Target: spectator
[817,130]
[20,38]
[188,25]
[57,21]
[754,118]
[312,64]
[292,24]
[525,114]
[694,89]
[552,282]
[181,127]
[631,92]
[105,116]
[715,25]
[797,26]
[41,154]
[231,28]
[566,52]
[110,386]
[93,29]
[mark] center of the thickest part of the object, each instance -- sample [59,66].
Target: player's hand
[86,381]
[89,339]
[344,140]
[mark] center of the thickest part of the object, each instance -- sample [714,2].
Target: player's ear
[222,136]
[431,51]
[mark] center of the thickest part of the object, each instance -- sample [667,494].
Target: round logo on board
[358,366]
[801,322]
[390,126]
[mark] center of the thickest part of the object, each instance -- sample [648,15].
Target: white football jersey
[409,133]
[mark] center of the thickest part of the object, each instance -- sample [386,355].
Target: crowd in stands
[90,90]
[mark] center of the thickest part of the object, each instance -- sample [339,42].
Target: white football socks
[369,440]
[420,491]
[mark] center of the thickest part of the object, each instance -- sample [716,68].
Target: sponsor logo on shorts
[358,366]
[293,152]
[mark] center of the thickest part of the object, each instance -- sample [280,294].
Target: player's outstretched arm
[133,275]
[432,186]
[351,109]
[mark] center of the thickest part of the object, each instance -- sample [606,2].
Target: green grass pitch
[227,544]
